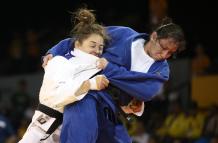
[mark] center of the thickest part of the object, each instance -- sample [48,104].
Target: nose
[98,50]
[165,55]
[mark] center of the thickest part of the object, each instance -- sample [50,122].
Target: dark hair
[85,25]
[168,29]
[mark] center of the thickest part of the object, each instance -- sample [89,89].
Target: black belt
[54,114]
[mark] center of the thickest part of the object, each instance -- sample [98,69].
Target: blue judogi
[85,121]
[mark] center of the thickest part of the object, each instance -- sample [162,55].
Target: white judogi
[61,80]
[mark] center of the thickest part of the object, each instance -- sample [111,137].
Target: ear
[153,36]
[77,44]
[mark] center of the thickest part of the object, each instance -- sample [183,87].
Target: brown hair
[168,29]
[85,25]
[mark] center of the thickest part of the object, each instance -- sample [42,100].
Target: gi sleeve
[143,86]
[61,48]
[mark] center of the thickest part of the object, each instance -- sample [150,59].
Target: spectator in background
[200,61]
[21,101]
[33,51]
[211,124]
[214,140]
[140,134]
[174,125]
[7,133]
[195,122]
[210,129]
[15,61]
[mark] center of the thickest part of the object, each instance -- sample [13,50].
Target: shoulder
[117,33]
[164,69]
[163,65]
[120,29]
[160,68]
[57,68]
[58,62]
[65,42]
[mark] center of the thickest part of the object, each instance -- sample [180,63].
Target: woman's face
[94,45]
[161,49]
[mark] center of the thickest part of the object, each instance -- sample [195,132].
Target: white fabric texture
[140,62]
[64,77]
[37,131]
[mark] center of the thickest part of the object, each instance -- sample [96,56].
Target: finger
[102,82]
[44,62]
[49,57]
[43,65]
[99,64]
[136,108]
[126,109]
[99,84]
[100,87]
[103,85]
[105,81]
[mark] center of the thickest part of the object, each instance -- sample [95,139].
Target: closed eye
[93,46]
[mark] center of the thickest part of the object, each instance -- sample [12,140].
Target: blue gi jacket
[142,86]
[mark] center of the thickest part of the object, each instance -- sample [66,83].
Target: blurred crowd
[21,52]
[202,64]
[16,111]
[167,121]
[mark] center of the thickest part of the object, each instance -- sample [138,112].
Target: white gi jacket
[62,78]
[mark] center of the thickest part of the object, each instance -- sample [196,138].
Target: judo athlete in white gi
[66,80]
[137,66]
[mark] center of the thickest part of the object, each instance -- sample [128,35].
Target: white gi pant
[36,131]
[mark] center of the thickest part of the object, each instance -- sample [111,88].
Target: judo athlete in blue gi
[136,66]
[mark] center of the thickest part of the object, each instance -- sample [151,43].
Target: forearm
[84,88]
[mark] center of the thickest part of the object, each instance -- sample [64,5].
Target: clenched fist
[133,107]
[102,63]
[98,82]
